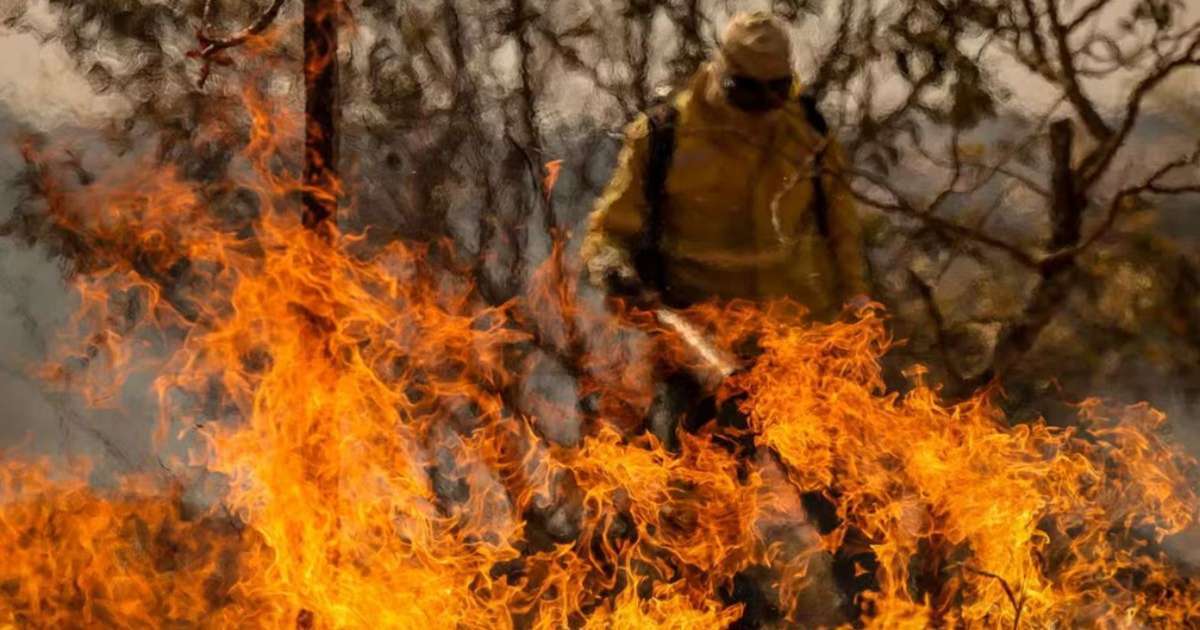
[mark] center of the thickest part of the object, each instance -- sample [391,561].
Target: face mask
[752,95]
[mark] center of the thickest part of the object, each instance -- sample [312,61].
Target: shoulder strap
[812,111]
[661,119]
[820,201]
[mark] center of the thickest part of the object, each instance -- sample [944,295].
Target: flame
[361,408]
[553,168]
[1022,522]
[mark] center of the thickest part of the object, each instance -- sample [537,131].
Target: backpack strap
[812,111]
[648,258]
[820,201]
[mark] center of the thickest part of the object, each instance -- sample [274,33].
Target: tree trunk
[320,202]
[321,111]
[1056,280]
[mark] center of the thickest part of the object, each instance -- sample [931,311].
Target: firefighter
[731,189]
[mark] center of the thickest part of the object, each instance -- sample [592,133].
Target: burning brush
[363,411]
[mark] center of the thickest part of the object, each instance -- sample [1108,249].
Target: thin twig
[1008,592]
[926,291]
[1086,14]
[936,223]
[989,171]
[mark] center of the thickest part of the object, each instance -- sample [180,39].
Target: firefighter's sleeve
[845,228]
[616,223]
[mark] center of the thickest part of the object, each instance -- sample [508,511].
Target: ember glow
[360,407]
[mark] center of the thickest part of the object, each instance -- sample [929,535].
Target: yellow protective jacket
[738,220]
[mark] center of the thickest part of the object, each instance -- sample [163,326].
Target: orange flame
[553,168]
[361,410]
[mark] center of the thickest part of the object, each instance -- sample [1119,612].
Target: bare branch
[1104,50]
[956,168]
[1000,166]
[573,60]
[1040,59]
[934,222]
[934,312]
[1087,13]
[1098,161]
[1151,184]
[825,69]
[211,46]
[1070,79]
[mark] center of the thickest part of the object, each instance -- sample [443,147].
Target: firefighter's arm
[616,223]
[845,228]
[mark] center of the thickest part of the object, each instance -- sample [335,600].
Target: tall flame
[362,409]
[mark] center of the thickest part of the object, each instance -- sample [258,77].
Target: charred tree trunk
[1058,273]
[320,201]
[1069,201]
[321,111]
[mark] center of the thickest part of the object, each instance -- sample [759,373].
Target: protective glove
[858,303]
[612,271]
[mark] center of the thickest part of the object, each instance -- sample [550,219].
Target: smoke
[45,97]
[35,303]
